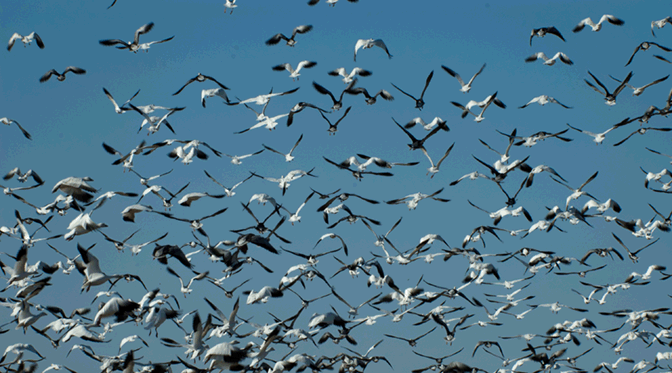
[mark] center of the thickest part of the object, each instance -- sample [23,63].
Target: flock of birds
[249,329]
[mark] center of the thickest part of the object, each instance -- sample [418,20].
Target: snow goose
[23,177]
[352,218]
[636,91]
[655,176]
[348,78]
[370,100]
[283,181]
[466,110]
[127,159]
[660,24]
[333,128]
[415,143]
[263,99]
[188,198]
[294,217]
[550,61]
[645,46]
[155,122]
[471,176]
[294,73]
[601,207]
[380,240]
[332,235]
[503,157]
[437,121]
[610,98]
[412,341]
[116,307]
[187,289]
[10,191]
[465,87]
[26,40]
[646,275]
[229,192]
[419,102]
[275,39]
[370,43]
[18,349]
[412,199]
[288,157]
[212,93]
[61,77]
[298,108]
[200,78]
[539,169]
[338,104]
[76,187]
[357,173]
[157,316]
[501,173]
[187,157]
[90,268]
[237,159]
[331,3]
[543,100]
[196,224]
[131,339]
[541,32]
[8,122]
[614,366]
[135,249]
[576,193]
[381,162]
[269,123]
[342,197]
[131,46]
[230,4]
[642,131]
[596,27]
[499,214]
[599,137]
[263,198]
[82,224]
[529,141]
[119,109]
[145,46]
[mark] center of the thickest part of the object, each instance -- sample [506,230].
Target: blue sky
[69,120]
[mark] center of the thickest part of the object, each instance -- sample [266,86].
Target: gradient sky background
[69,121]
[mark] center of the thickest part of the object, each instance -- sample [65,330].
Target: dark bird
[200,78]
[541,32]
[338,104]
[645,46]
[370,100]
[419,102]
[610,98]
[415,143]
[333,128]
[643,130]
[61,77]
[290,41]
[8,122]
[135,44]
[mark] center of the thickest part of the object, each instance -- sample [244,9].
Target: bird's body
[26,40]
[598,26]
[61,77]
[370,43]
